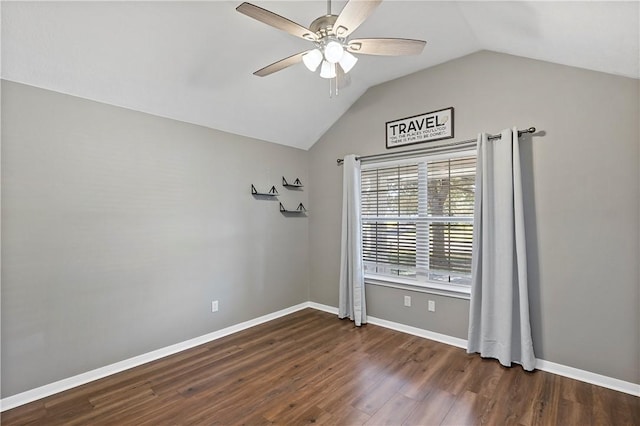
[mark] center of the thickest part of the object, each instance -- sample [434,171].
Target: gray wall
[581,186]
[120,228]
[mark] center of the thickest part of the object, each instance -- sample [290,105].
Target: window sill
[450,290]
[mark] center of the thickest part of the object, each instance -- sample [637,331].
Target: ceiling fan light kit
[312,59]
[347,61]
[333,51]
[328,70]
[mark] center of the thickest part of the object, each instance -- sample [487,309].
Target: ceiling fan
[333,50]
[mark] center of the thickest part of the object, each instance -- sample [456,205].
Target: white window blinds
[417,219]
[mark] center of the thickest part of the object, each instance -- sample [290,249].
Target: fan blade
[386,46]
[342,79]
[281,64]
[354,13]
[276,21]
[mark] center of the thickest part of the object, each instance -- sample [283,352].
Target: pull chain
[333,87]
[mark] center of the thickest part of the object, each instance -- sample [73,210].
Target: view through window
[417,218]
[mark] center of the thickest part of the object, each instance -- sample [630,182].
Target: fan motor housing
[323,26]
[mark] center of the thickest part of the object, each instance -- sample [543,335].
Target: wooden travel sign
[428,127]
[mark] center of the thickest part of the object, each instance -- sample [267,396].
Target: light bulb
[333,51]
[328,70]
[312,59]
[347,61]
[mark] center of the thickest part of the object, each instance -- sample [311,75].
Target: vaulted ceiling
[193,61]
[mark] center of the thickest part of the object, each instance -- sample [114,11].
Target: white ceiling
[193,61]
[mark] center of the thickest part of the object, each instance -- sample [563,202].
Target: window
[417,220]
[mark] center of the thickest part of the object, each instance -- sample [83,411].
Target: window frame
[462,291]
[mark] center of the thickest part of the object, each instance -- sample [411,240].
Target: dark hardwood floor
[310,367]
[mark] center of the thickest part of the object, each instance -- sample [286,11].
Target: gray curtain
[351,301]
[499,310]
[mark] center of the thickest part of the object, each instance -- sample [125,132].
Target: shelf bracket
[300,209]
[296,183]
[273,192]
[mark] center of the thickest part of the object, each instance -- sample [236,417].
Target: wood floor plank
[540,400]
[576,391]
[24,414]
[432,410]
[347,385]
[391,380]
[607,412]
[394,412]
[486,376]
[434,366]
[469,409]
[510,403]
[573,413]
[309,367]
[346,414]
[455,377]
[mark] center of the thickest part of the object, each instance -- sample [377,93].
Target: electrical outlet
[214,306]
[407,301]
[432,306]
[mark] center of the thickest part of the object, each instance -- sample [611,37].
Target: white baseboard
[541,364]
[81,379]
[454,341]
[325,308]
[420,332]
[588,377]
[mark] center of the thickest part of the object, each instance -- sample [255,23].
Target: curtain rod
[443,147]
